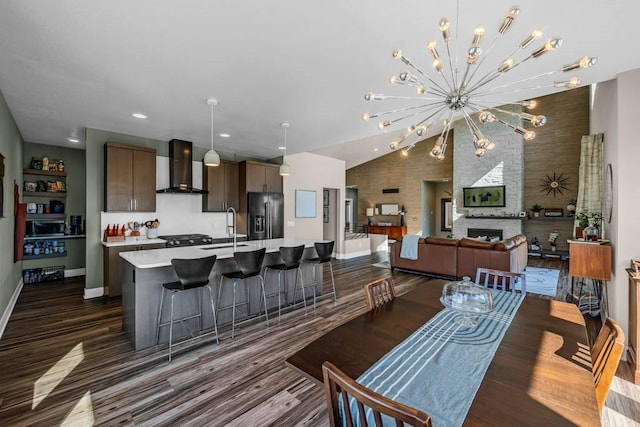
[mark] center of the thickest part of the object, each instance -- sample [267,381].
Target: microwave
[44,228]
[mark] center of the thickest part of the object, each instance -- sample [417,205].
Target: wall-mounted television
[484,197]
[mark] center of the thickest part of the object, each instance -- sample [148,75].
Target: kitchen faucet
[232,226]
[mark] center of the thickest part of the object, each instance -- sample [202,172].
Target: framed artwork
[484,197]
[446,217]
[325,214]
[325,197]
[305,204]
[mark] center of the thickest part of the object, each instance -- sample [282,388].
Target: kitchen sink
[223,247]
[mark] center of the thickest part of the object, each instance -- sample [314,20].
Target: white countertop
[162,257]
[144,241]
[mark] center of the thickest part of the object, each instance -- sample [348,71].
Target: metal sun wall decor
[555,184]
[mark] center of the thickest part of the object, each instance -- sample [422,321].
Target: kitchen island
[145,270]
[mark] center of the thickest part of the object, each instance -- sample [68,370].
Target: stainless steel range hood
[181,169]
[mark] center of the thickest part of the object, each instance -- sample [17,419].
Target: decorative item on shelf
[30,186]
[45,163]
[571,207]
[60,166]
[554,184]
[36,163]
[535,245]
[553,236]
[470,92]
[553,212]
[536,208]
[41,186]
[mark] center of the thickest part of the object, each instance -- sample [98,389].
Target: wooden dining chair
[498,279]
[379,292]
[605,357]
[337,383]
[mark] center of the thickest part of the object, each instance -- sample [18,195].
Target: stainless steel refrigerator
[266,216]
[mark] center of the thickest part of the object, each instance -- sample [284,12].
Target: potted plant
[588,224]
[536,210]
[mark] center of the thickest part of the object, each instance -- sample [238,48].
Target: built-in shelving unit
[39,256]
[66,236]
[46,216]
[44,194]
[29,171]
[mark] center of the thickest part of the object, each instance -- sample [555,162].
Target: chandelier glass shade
[464,89]
[285,169]
[211,157]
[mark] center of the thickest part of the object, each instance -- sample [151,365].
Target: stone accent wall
[502,166]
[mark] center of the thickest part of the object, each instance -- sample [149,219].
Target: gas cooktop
[187,239]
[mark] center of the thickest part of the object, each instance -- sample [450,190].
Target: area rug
[542,281]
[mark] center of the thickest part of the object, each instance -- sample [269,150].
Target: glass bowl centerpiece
[467,298]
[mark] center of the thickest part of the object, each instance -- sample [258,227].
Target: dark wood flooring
[66,361]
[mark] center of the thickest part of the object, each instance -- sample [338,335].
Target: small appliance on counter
[75,224]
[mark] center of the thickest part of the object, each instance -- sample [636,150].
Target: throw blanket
[439,368]
[409,248]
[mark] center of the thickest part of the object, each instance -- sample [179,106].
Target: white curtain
[590,174]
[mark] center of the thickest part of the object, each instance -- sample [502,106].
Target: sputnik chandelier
[447,95]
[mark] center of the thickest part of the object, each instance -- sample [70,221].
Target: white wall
[611,100]
[313,172]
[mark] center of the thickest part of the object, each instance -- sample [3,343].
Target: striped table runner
[439,368]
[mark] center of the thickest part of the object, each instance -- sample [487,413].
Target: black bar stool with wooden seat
[291,256]
[249,265]
[324,251]
[192,274]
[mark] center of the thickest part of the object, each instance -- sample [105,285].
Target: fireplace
[485,232]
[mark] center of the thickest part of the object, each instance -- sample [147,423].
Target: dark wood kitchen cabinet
[222,184]
[260,177]
[130,178]
[112,265]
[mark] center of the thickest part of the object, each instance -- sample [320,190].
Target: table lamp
[369,214]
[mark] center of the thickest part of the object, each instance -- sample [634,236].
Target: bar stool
[192,274]
[249,265]
[324,251]
[291,257]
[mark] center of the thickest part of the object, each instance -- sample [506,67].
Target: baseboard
[75,272]
[93,292]
[353,254]
[12,303]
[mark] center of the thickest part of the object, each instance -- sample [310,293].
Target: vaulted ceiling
[66,65]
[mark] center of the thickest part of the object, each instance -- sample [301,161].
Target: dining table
[540,373]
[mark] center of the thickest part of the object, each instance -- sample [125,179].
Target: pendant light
[212,158]
[285,170]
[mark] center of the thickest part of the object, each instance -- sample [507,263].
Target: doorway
[349,220]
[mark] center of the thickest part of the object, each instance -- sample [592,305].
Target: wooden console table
[634,327]
[591,261]
[392,231]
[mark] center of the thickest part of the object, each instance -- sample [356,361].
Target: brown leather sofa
[457,258]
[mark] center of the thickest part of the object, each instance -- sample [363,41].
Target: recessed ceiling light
[375,149]
[225,135]
[139,116]
[73,140]
[282,147]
